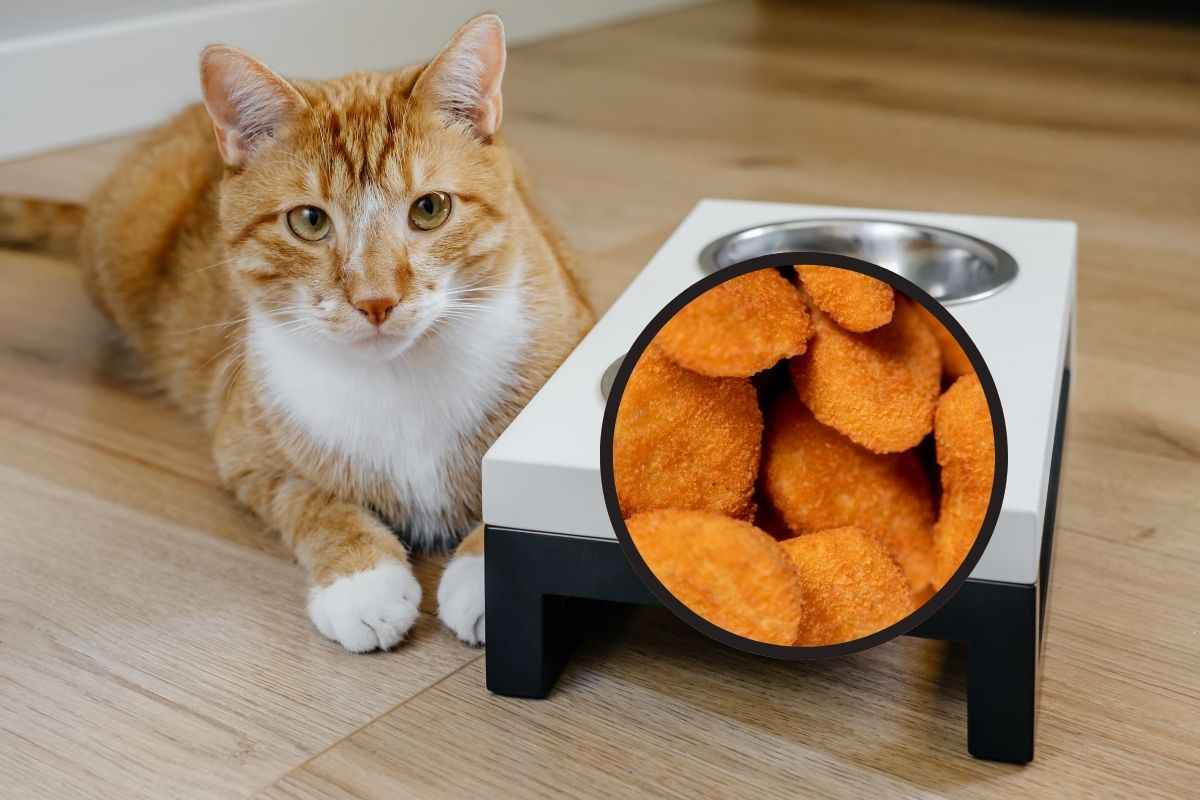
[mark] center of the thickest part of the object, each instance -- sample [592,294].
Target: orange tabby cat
[353,291]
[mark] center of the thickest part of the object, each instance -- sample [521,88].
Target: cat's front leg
[362,591]
[460,591]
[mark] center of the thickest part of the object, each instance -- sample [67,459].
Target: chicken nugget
[850,574]
[955,363]
[879,388]
[684,440]
[725,570]
[855,301]
[966,451]
[818,479]
[739,327]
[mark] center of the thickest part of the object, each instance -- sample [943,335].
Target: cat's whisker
[287,313]
[473,285]
[472,299]
[474,290]
[226,324]
[298,325]
[469,300]
[463,311]
[218,264]
[462,307]
[239,342]
[481,289]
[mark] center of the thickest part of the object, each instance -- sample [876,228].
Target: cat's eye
[429,211]
[309,223]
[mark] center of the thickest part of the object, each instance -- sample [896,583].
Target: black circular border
[795,652]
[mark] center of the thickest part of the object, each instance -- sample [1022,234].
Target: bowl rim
[1006,266]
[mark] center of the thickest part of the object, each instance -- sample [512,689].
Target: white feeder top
[543,473]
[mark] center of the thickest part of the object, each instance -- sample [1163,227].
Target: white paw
[460,598]
[369,610]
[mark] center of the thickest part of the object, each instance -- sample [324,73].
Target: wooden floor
[153,643]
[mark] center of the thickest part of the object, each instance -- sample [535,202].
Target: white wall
[77,70]
[23,19]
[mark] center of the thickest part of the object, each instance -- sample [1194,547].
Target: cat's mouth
[387,345]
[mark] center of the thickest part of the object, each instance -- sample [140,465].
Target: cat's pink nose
[376,309]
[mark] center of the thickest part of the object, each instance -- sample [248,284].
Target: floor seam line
[365,725]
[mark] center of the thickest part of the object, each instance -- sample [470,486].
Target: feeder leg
[528,632]
[1002,666]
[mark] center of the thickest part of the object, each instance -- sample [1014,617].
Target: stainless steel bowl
[609,377]
[951,266]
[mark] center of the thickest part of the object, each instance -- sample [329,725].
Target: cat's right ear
[246,101]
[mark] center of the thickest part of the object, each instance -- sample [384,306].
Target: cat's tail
[43,226]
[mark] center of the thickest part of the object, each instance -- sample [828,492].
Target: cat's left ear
[463,81]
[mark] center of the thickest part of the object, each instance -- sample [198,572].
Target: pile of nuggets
[771,456]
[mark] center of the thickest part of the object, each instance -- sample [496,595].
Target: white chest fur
[408,421]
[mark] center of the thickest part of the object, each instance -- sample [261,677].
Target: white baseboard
[100,80]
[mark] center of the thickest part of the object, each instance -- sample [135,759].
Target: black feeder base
[533,578]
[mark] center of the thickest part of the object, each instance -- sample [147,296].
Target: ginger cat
[351,289]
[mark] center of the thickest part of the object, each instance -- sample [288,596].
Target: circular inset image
[803,455]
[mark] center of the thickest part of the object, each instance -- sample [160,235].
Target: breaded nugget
[818,479]
[879,388]
[739,327]
[683,440]
[954,359]
[855,301]
[723,569]
[966,451]
[851,575]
